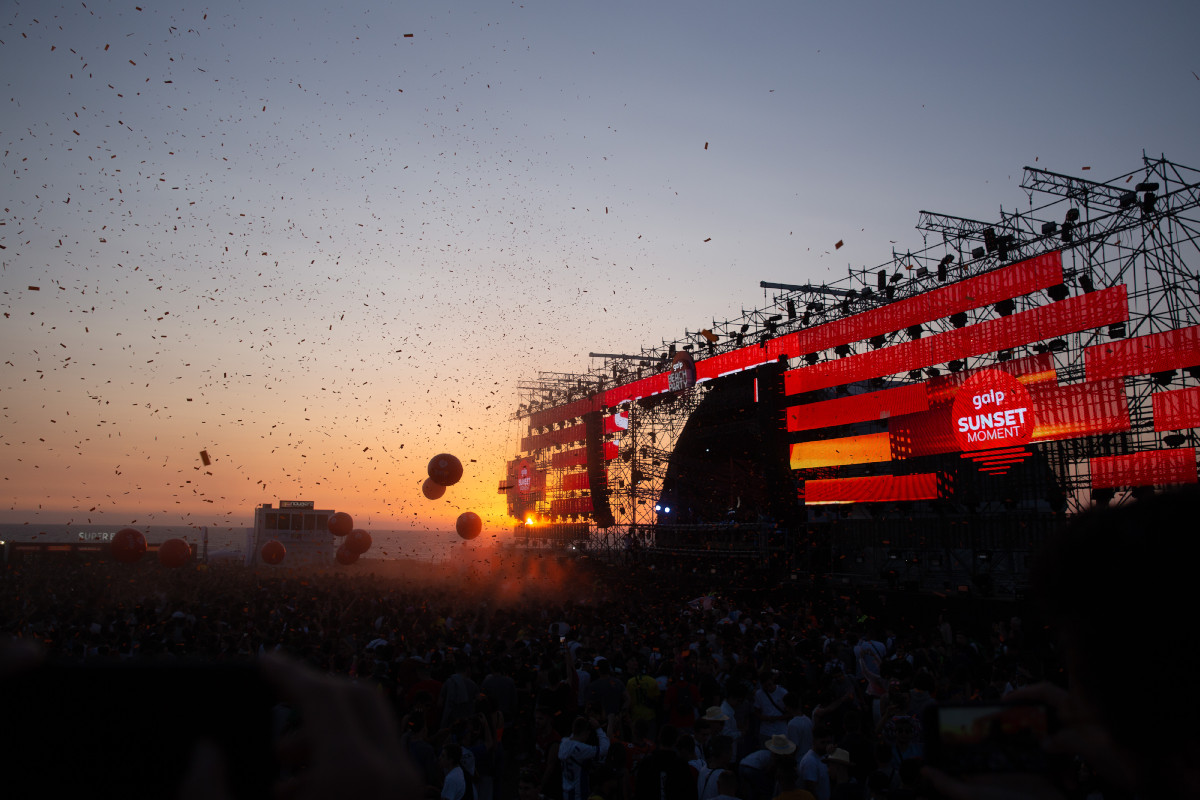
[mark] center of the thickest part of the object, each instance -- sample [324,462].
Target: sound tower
[783,503]
[593,432]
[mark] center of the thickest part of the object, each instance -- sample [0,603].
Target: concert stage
[923,425]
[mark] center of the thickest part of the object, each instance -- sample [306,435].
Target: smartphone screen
[128,730]
[1000,737]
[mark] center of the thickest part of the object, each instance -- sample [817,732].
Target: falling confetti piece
[709,239]
[408,36]
[35,288]
[706,145]
[839,244]
[204,459]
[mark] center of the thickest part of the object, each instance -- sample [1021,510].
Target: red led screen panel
[567,435]
[569,458]
[1059,412]
[610,451]
[872,489]
[571,505]
[869,448]
[731,361]
[654,384]
[1081,409]
[1157,352]
[617,423]
[1177,410]
[1044,322]
[1038,368]
[574,481]
[859,408]
[1148,468]
[549,416]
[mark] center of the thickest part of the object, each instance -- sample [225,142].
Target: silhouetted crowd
[529,677]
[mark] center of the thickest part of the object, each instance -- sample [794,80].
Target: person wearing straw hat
[841,776]
[756,772]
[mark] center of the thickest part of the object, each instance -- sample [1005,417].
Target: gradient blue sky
[289,235]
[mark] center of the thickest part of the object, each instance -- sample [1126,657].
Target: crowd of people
[521,679]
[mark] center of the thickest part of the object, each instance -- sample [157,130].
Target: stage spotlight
[739,337]
[745,327]
[1142,492]
[943,270]
[1057,345]
[955,365]
[932,372]
[1058,291]
[1049,228]
[1102,497]
[914,331]
[1148,201]
[882,279]
[1004,245]
[983,555]
[811,358]
[1005,355]
[1128,199]
[989,239]
[671,351]
[1068,232]
[958,320]
[657,507]
[791,309]
[1072,215]
[775,318]
[842,350]
[922,272]
[1005,307]
[1085,283]
[878,341]
[1040,348]
[978,253]
[1174,439]
[1116,330]
[1194,371]
[1163,378]
[915,375]
[896,276]
[1146,187]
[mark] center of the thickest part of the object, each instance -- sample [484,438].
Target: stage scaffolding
[1140,229]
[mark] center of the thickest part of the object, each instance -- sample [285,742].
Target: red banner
[1148,468]
[1044,322]
[872,489]
[1142,355]
[859,408]
[1177,410]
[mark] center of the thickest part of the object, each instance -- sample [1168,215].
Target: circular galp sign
[992,409]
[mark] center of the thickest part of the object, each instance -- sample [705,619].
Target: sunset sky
[324,242]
